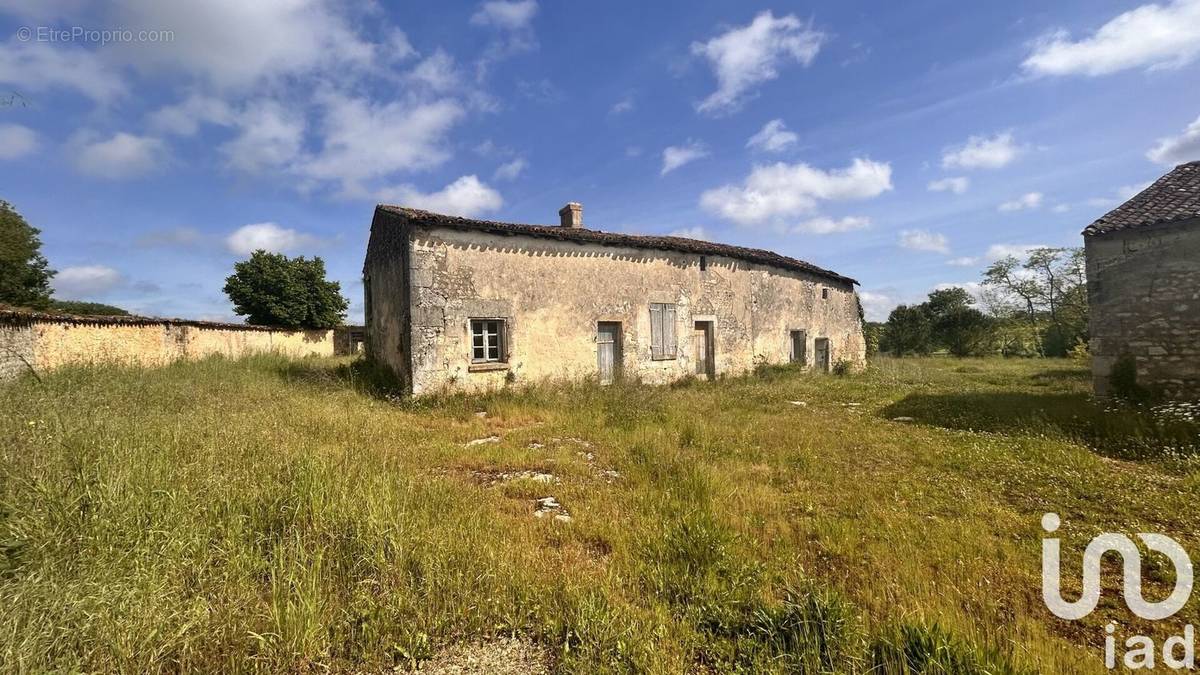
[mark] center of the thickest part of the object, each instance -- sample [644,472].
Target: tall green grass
[267,514]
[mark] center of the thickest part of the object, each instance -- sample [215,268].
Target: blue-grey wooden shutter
[668,319]
[656,330]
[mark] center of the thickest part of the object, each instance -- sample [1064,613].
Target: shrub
[1079,353]
[1123,381]
[930,649]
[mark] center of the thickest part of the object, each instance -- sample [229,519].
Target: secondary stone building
[455,303]
[1143,269]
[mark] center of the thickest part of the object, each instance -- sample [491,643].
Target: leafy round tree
[907,330]
[24,272]
[271,289]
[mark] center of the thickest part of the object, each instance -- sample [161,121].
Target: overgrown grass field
[272,515]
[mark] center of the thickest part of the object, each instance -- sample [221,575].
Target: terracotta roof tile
[1174,197]
[589,236]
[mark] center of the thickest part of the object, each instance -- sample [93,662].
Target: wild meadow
[275,515]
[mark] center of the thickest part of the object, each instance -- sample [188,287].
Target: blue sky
[903,144]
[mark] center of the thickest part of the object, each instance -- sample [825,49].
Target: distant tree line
[1031,307]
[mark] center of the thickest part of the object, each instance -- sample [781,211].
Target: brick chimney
[571,215]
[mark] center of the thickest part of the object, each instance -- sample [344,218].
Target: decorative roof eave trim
[612,239]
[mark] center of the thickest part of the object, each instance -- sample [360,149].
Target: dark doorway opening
[799,347]
[704,349]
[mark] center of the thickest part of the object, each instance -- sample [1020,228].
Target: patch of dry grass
[274,515]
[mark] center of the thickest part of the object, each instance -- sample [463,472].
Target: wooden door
[821,347]
[608,350]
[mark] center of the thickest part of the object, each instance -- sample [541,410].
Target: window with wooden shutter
[662,331]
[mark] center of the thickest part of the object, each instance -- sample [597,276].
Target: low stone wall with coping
[43,342]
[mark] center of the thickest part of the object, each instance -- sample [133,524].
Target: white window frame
[489,334]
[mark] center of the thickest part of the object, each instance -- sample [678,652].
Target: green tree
[271,289]
[908,330]
[873,335]
[956,324]
[80,308]
[1048,290]
[24,272]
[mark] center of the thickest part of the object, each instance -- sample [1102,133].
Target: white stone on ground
[549,506]
[481,441]
[501,656]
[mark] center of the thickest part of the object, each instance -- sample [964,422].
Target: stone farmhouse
[460,304]
[1143,275]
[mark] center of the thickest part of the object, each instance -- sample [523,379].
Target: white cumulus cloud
[184,118]
[40,66]
[1178,149]
[236,44]
[16,141]
[511,170]
[467,196]
[512,23]
[86,281]
[982,152]
[269,137]
[781,190]
[877,305]
[998,251]
[1029,200]
[268,237]
[746,56]
[773,137]
[696,232]
[965,261]
[924,240]
[124,155]
[513,15]
[676,156]
[1153,36]
[826,225]
[365,140]
[955,184]
[626,104]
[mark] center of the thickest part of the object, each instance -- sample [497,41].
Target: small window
[824,293]
[487,341]
[703,263]
[662,331]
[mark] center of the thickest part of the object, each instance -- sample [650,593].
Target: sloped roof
[1174,197]
[589,236]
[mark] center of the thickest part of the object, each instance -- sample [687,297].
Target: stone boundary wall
[46,341]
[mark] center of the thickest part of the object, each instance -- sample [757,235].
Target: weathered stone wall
[16,350]
[1144,297]
[553,293]
[46,342]
[385,293]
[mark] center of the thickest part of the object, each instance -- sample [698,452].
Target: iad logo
[1132,560]
[1140,649]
